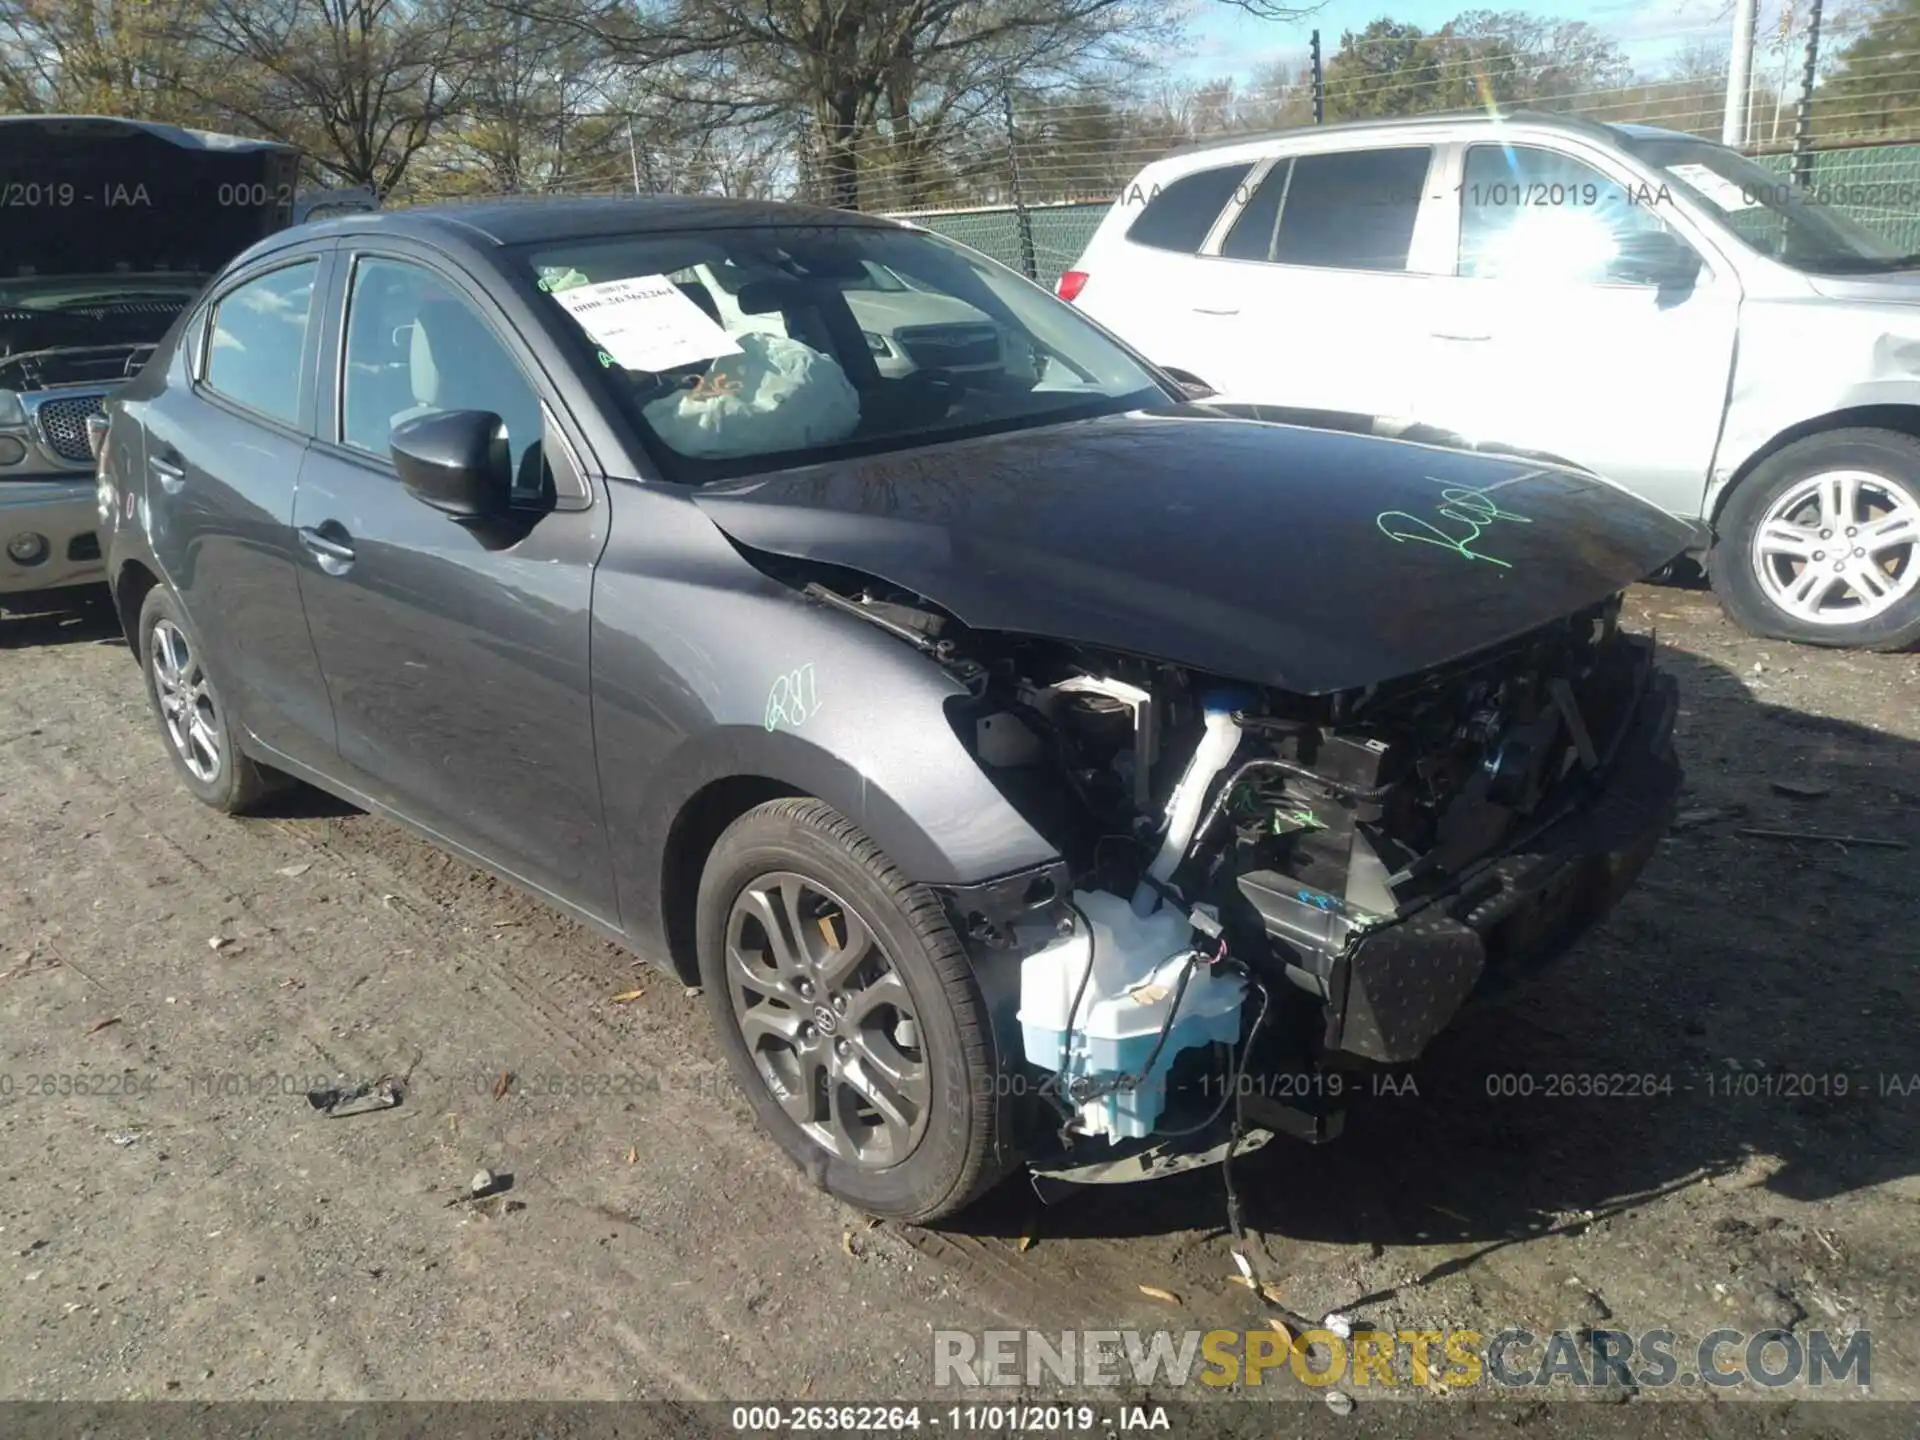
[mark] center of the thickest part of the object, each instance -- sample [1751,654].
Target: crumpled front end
[1540,840]
[1258,888]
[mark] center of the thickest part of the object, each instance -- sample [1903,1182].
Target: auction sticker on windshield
[646,323]
[1729,195]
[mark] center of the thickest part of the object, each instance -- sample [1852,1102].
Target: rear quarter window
[1179,215]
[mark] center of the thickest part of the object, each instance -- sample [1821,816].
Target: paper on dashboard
[646,323]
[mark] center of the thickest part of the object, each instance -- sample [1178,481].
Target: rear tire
[849,1013]
[1821,543]
[198,730]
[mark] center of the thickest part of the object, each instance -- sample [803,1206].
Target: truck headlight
[13,415]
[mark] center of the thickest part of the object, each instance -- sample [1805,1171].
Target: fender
[802,700]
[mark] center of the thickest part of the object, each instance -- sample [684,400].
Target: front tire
[848,1011]
[195,724]
[1821,544]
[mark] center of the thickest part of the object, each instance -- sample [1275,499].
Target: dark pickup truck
[108,229]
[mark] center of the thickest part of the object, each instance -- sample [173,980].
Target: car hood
[97,194]
[1900,288]
[1306,559]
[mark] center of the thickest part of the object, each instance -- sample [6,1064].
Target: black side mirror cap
[457,461]
[1656,257]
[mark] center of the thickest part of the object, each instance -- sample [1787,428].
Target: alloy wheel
[827,1020]
[185,696]
[1839,548]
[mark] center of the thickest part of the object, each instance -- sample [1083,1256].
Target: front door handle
[1207,310]
[335,556]
[1456,335]
[171,476]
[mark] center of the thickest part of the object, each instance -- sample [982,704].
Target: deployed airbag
[776,394]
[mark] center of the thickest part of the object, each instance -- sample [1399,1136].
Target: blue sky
[1228,41]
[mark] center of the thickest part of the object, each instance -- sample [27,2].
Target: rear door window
[1353,209]
[1179,215]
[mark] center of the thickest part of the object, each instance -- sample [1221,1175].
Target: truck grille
[63,426]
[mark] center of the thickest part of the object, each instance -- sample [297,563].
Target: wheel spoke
[1890,532]
[908,1078]
[1869,582]
[774,920]
[1782,537]
[770,1021]
[166,660]
[754,978]
[886,990]
[801,1102]
[895,1110]
[1809,587]
[855,944]
[202,736]
[1838,496]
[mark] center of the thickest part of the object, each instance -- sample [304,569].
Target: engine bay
[1232,848]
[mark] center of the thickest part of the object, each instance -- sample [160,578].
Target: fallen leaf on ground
[1154,1292]
[115,1020]
[1030,1234]
[625,995]
[294,871]
[500,1085]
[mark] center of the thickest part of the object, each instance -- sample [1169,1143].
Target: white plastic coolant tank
[1137,962]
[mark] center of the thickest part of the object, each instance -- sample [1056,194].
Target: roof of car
[518,220]
[105,125]
[1575,123]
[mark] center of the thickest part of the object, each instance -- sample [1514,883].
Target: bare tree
[107,57]
[362,86]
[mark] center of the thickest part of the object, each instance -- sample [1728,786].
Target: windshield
[739,351]
[1780,219]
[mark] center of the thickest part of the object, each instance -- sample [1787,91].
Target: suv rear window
[1179,215]
[1353,209]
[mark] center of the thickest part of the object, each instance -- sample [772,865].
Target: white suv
[1646,304]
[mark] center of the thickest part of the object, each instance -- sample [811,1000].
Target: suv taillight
[1071,284]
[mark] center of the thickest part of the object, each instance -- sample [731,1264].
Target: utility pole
[1733,124]
[1803,112]
[1023,222]
[1319,84]
[633,155]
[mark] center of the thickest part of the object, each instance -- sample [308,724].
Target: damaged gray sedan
[1025,759]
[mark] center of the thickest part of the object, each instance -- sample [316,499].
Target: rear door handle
[333,555]
[1453,335]
[171,476]
[1206,310]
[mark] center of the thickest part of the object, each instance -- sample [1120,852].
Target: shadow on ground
[1792,961]
[79,616]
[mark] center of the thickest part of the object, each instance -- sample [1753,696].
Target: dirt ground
[177,1221]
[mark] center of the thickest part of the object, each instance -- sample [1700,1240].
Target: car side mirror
[1655,257]
[457,461]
